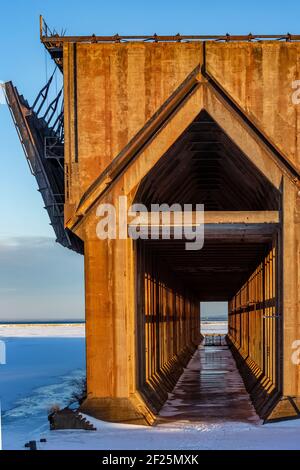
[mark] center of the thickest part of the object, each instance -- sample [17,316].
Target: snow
[45,330]
[181,436]
[217,327]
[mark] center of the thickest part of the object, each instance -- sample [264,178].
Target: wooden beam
[241,218]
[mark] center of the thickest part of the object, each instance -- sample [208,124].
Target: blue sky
[24,229]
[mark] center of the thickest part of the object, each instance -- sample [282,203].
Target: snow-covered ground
[181,436]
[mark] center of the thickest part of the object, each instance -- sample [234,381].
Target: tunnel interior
[238,263]
[205,166]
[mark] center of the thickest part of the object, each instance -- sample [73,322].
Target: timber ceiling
[216,272]
[205,166]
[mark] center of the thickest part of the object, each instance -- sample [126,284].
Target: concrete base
[286,408]
[118,410]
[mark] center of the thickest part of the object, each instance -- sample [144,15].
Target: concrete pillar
[110,331]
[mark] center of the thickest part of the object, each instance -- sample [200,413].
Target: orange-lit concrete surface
[132,104]
[212,122]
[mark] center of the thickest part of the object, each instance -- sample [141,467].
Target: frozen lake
[40,372]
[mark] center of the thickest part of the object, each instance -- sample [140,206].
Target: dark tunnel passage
[240,262]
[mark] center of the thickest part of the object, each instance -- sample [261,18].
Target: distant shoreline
[49,323]
[66,322]
[77,329]
[213,321]
[24,330]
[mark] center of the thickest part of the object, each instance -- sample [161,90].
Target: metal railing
[49,36]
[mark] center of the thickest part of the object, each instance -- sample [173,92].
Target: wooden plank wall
[169,323]
[254,328]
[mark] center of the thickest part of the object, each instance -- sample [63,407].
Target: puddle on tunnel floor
[210,390]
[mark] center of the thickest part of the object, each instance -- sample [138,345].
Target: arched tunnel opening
[240,263]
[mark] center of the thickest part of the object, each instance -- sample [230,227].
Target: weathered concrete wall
[111,91]
[259,77]
[116,88]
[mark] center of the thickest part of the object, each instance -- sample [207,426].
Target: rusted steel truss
[41,133]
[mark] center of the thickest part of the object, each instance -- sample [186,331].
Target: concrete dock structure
[188,120]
